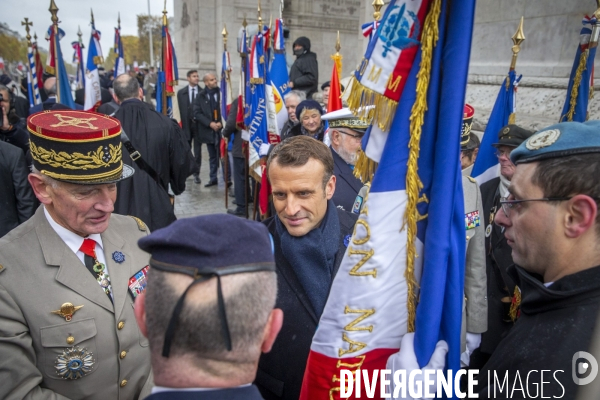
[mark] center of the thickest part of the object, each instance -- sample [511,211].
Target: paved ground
[198,200]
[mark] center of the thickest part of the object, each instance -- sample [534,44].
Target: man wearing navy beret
[208,307]
[308,231]
[551,221]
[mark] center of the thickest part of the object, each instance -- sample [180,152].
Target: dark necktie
[193,95]
[98,270]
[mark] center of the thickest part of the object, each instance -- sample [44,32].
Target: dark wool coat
[280,371]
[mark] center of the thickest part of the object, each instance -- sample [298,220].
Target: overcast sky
[74,13]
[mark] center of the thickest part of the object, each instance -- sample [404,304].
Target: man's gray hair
[126,87]
[249,299]
[53,183]
[206,75]
[300,95]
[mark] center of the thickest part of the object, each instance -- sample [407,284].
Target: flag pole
[254,204]
[54,10]
[30,84]
[518,38]
[226,155]
[245,149]
[164,67]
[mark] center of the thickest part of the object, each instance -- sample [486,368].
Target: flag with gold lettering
[380,78]
[399,274]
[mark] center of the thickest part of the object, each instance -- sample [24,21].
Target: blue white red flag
[33,91]
[55,65]
[93,96]
[380,78]
[486,165]
[119,68]
[279,77]
[396,247]
[169,62]
[582,73]
[78,60]
[256,104]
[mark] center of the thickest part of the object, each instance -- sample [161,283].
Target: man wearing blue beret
[308,231]
[208,307]
[551,221]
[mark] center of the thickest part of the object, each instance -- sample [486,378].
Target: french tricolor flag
[404,265]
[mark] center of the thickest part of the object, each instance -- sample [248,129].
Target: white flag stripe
[489,174]
[377,139]
[387,239]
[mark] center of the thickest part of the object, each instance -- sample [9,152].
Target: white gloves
[473,343]
[406,360]
[264,149]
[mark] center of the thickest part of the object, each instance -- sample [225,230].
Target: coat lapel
[345,172]
[71,273]
[119,272]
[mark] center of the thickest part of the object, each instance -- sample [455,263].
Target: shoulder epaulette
[472,179]
[141,225]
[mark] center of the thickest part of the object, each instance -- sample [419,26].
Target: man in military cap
[70,274]
[345,134]
[469,142]
[500,286]
[208,310]
[551,222]
[309,235]
[474,321]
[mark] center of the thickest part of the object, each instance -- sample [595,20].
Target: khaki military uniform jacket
[475,269]
[38,274]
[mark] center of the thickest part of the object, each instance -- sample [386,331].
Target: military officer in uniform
[474,321]
[345,133]
[500,286]
[70,274]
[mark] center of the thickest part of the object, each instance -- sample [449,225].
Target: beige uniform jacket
[475,269]
[38,274]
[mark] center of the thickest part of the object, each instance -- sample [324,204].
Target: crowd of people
[104,294]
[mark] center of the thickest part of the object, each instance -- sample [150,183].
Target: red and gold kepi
[77,146]
[469,111]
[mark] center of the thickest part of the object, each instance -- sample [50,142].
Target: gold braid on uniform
[414,185]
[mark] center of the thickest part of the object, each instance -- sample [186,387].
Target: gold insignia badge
[505,130]
[66,310]
[542,139]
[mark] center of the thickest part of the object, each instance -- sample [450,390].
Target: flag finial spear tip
[338,44]
[518,38]
[377,5]
[53,10]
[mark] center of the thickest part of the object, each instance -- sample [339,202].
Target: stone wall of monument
[198,24]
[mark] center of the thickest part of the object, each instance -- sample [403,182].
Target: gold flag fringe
[576,82]
[512,119]
[365,168]
[413,182]
[515,305]
[360,100]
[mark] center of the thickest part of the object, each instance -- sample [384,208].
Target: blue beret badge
[118,257]
[347,240]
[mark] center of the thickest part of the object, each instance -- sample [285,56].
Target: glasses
[357,137]
[508,205]
[500,153]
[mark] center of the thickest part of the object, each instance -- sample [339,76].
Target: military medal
[118,257]
[472,220]
[67,310]
[74,363]
[488,229]
[98,267]
[137,283]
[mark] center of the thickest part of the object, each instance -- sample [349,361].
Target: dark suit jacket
[280,371]
[46,105]
[346,184]
[245,393]
[17,202]
[186,111]
[203,114]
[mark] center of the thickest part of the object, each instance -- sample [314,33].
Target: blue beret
[559,140]
[210,242]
